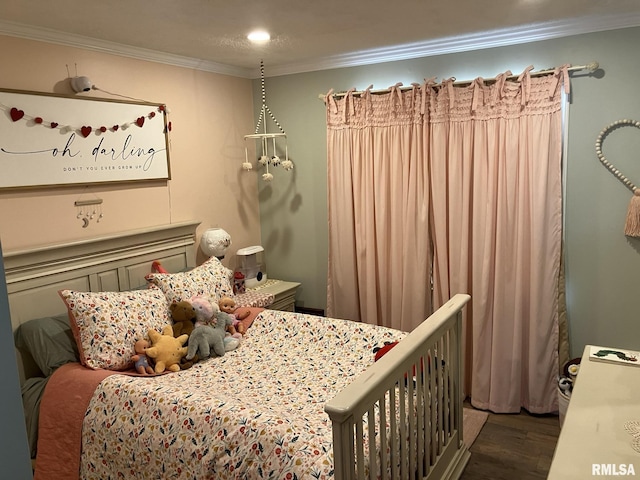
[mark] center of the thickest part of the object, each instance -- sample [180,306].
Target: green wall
[602,265]
[15,460]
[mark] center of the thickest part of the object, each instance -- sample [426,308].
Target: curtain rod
[592,66]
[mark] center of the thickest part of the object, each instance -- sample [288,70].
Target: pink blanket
[62,409]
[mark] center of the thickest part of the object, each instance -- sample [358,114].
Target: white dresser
[593,441]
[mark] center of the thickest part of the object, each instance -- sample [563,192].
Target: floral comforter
[256,413]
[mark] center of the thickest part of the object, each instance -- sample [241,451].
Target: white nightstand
[284,293]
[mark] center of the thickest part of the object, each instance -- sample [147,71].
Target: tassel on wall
[632,225]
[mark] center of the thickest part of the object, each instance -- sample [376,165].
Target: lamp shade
[214,242]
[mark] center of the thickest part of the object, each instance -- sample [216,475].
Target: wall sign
[58,140]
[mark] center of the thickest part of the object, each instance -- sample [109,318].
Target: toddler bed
[300,398]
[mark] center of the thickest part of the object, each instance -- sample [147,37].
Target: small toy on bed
[186,364]
[156,267]
[205,338]
[206,311]
[142,363]
[167,350]
[230,342]
[380,351]
[228,306]
[183,315]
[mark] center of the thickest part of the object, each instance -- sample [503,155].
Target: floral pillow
[211,278]
[106,325]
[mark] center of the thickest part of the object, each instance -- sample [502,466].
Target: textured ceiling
[305,35]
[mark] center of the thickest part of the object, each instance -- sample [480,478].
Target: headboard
[115,262]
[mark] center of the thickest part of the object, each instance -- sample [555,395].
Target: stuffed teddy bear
[141,360]
[205,338]
[228,306]
[184,317]
[167,350]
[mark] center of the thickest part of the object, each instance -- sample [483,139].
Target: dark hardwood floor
[513,446]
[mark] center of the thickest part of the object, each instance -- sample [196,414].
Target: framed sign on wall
[59,140]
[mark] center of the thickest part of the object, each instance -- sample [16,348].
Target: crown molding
[463,43]
[71,40]
[534,32]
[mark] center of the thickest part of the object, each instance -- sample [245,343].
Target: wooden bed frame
[410,399]
[116,262]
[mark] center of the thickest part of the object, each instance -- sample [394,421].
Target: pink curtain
[460,186]
[380,253]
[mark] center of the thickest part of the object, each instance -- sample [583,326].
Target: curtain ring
[427,90]
[525,84]
[395,92]
[368,102]
[414,90]
[478,85]
[561,71]
[498,91]
[348,101]
[448,84]
[331,101]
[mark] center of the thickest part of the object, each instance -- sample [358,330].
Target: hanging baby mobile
[632,223]
[268,142]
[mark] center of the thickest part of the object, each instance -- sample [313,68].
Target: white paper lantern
[214,242]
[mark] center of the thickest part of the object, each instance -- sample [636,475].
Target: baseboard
[310,311]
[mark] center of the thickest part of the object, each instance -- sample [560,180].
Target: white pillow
[106,325]
[211,279]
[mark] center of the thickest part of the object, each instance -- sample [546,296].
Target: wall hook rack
[87,210]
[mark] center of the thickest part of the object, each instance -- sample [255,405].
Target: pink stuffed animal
[205,310]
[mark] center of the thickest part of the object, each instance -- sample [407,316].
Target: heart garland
[16,114]
[632,223]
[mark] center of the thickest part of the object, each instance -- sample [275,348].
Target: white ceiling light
[259,36]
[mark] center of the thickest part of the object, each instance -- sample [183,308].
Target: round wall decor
[632,223]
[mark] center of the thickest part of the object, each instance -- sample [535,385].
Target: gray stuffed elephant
[205,338]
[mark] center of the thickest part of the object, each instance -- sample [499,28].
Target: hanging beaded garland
[632,223]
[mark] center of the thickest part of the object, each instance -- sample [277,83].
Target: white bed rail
[402,418]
